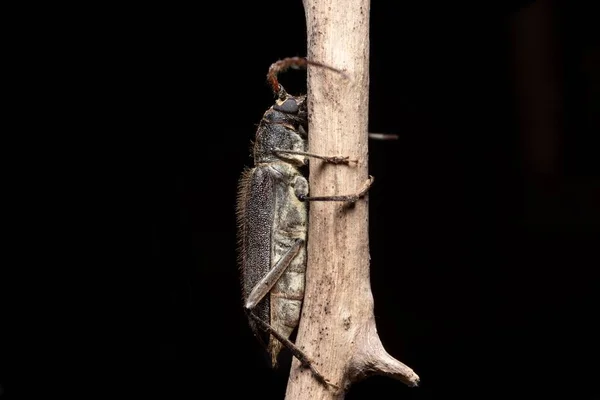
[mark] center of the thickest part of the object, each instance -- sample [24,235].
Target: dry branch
[337,329]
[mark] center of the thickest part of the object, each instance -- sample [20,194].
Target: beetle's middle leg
[351,198]
[301,185]
[261,289]
[330,159]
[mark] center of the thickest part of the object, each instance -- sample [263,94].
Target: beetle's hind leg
[261,289]
[296,352]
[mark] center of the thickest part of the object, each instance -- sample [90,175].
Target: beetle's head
[294,107]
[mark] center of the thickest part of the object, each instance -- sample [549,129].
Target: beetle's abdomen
[286,296]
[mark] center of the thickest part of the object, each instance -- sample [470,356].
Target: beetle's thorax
[283,127]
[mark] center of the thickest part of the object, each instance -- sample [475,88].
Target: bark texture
[337,328]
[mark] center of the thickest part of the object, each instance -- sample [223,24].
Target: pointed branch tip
[372,359]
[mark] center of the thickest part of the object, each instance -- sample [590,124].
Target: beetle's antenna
[296,63]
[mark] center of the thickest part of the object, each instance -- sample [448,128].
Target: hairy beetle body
[272,218]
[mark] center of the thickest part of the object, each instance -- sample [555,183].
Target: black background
[482,270]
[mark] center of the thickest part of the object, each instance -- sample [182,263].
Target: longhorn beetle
[272,218]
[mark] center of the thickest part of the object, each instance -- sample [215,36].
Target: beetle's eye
[289,107]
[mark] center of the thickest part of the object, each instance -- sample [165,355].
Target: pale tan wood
[337,328]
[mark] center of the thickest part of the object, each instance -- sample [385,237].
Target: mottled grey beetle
[272,219]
